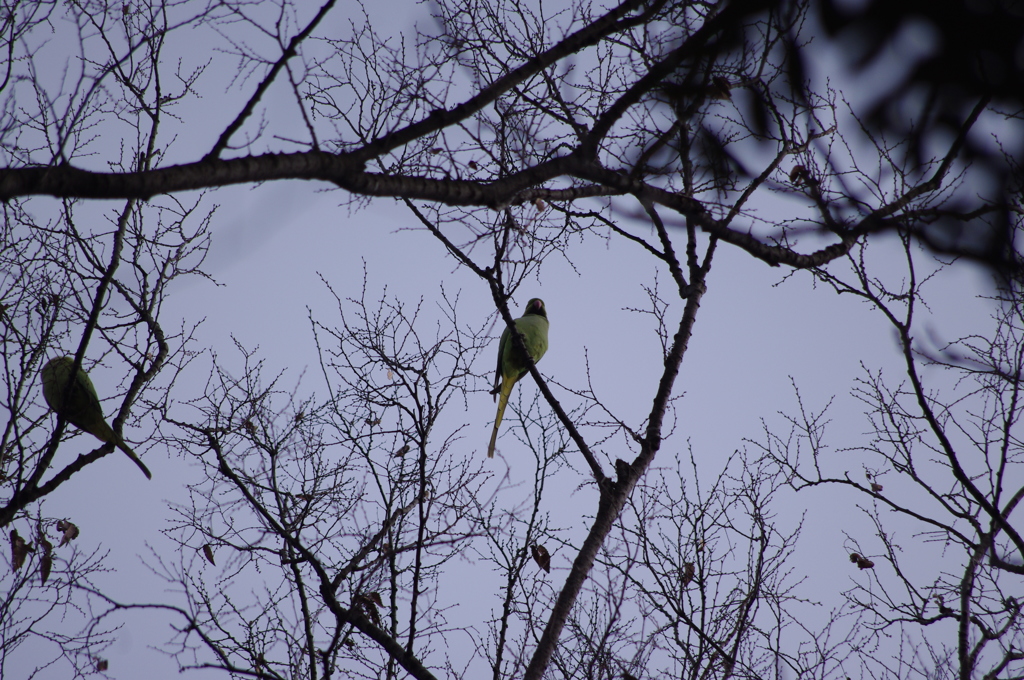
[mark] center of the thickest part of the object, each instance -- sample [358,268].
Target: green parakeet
[82,407]
[533,325]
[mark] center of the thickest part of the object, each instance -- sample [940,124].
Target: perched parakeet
[533,325]
[82,408]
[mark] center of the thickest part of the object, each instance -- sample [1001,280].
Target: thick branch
[345,172]
[614,496]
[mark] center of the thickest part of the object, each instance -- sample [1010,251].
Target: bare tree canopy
[601,134]
[346,522]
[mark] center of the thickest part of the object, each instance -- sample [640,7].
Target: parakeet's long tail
[105,434]
[135,459]
[506,389]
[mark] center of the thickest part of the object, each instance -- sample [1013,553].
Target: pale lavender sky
[271,243]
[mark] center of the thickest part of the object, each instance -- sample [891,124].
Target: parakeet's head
[536,306]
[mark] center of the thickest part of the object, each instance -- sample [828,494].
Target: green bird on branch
[512,364]
[79,404]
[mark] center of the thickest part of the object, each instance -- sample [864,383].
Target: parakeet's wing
[502,345]
[86,402]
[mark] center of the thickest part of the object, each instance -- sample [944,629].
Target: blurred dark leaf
[19,550]
[541,557]
[46,562]
[688,572]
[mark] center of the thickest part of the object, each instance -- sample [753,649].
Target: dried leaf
[720,87]
[367,604]
[391,374]
[541,557]
[46,562]
[799,174]
[539,204]
[68,530]
[688,571]
[861,562]
[299,416]
[375,598]
[102,665]
[208,554]
[19,549]
[876,487]
[473,165]
[402,451]
[436,150]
